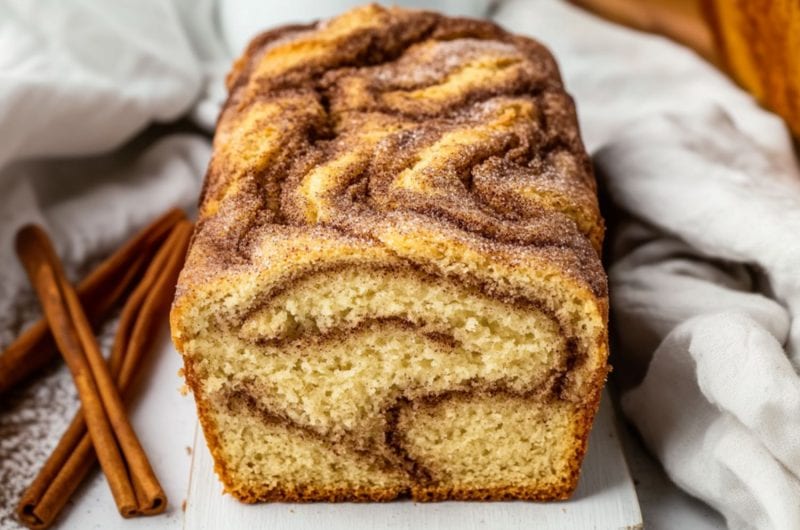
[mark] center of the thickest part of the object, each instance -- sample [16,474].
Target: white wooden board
[605,499]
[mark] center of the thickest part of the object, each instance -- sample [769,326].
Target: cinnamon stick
[98,292]
[153,312]
[114,440]
[74,456]
[34,253]
[133,306]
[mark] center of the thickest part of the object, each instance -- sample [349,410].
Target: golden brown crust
[326,125]
[371,138]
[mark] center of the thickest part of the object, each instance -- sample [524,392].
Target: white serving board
[605,499]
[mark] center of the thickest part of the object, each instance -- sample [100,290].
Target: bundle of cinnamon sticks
[143,274]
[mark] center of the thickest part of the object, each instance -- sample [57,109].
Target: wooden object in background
[757,42]
[682,20]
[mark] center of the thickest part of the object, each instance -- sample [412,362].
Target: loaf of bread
[394,287]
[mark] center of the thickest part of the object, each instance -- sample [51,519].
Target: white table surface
[166,420]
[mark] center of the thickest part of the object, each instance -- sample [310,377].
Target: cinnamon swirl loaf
[394,286]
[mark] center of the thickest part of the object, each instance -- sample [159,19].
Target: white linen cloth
[705,271]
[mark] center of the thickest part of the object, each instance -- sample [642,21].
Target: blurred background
[757,43]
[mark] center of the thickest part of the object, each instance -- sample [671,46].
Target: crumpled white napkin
[714,275]
[705,264]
